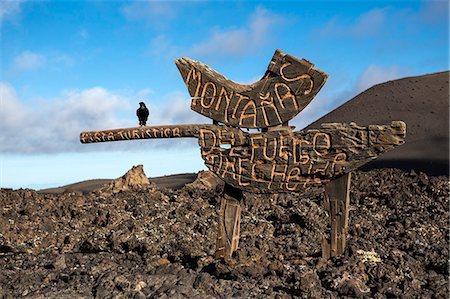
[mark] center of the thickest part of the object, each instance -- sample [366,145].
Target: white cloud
[175,110]
[54,125]
[92,108]
[83,34]
[28,60]
[367,24]
[435,11]
[143,93]
[12,112]
[240,41]
[9,8]
[161,46]
[158,13]
[60,59]
[375,74]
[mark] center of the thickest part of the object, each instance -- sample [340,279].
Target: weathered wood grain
[279,160]
[287,87]
[337,205]
[228,231]
[285,161]
[154,132]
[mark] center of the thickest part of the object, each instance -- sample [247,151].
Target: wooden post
[337,204]
[228,230]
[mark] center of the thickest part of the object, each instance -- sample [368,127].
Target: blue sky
[69,66]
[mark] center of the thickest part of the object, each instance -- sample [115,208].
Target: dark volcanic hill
[422,103]
[175,182]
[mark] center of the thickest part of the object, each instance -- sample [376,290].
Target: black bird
[142,113]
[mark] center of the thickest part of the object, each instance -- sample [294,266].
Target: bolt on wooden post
[276,159]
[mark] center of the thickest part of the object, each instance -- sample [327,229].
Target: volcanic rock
[134,179]
[133,244]
[206,180]
[135,240]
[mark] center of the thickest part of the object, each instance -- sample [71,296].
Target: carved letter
[254,139]
[274,148]
[303,76]
[208,95]
[96,137]
[275,172]
[321,143]
[176,132]
[338,163]
[322,171]
[255,172]
[293,174]
[195,75]
[252,114]
[267,101]
[300,155]
[208,139]
[241,97]
[243,173]
[282,151]
[211,160]
[223,93]
[135,134]
[287,96]
[121,135]
[230,165]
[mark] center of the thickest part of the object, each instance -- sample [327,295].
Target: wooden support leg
[229,223]
[337,204]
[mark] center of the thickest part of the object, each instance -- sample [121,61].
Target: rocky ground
[143,241]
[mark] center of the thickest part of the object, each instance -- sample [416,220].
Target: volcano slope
[159,243]
[422,102]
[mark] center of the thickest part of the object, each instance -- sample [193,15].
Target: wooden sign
[277,159]
[287,87]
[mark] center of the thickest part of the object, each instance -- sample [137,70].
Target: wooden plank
[325,248]
[334,228]
[287,87]
[337,194]
[286,161]
[228,231]
[340,233]
[160,132]
[278,160]
[221,241]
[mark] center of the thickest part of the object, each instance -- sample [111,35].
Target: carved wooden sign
[277,159]
[285,161]
[287,88]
